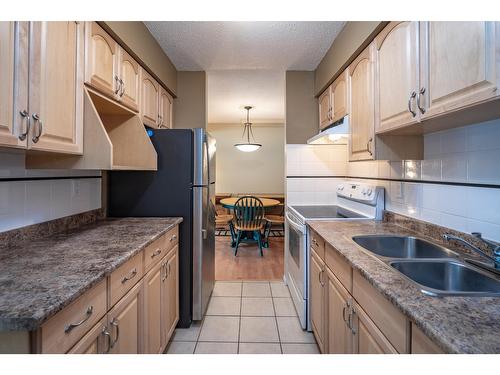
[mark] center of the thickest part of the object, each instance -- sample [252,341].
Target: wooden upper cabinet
[339,96]
[317,300]
[396,75]
[9,136]
[56,86]
[150,90]
[362,110]
[325,108]
[459,65]
[165,109]
[101,60]
[339,303]
[129,90]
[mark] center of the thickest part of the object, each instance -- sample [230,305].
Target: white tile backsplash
[29,202]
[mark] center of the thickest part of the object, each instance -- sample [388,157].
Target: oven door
[296,265]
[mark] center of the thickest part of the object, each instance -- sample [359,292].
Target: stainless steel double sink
[438,271]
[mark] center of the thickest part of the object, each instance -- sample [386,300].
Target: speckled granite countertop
[39,278]
[456,324]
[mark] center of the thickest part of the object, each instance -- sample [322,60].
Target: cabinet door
[317,299]
[149,100]
[101,60]
[421,344]
[9,135]
[170,296]
[339,301]
[325,107]
[125,323]
[368,339]
[152,309]
[165,109]
[397,75]
[93,342]
[55,90]
[458,65]
[362,111]
[339,97]
[130,85]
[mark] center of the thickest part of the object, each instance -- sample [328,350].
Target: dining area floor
[246,317]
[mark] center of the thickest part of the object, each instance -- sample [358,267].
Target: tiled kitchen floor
[246,318]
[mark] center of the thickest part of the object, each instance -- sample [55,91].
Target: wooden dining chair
[278,220]
[248,216]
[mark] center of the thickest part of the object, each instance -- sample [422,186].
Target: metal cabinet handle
[368,146]
[168,269]
[412,96]
[36,117]
[115,323]
[351,320]
[24,113]
[156,253]
[320,276]
[314,241]
[108,336]
[421,92]
[163,271]
[173,238]
[68,328]
[122,84]
[130,277]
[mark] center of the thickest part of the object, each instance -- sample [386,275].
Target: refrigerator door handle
[204,234]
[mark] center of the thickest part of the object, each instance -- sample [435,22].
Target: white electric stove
[355,201]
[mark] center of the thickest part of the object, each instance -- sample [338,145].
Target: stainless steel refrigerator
[183,185]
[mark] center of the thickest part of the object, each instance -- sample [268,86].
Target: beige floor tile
[257,306]
[224,306]
[291,331]
[216,348]
[181,347]
[279,289]
[227,289]
[259,348]
[256,289]
[220,328]
[284,307]
[300,349]
[258,329]
[187,334]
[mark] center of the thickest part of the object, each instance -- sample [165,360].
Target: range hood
[335,134]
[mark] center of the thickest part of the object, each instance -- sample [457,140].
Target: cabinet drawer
[339,266]
[69,325]
[386,317]
[125,277]
[154,252]
[317,244]
[172,237]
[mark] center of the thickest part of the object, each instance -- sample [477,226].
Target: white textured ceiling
[245,45]
[245,61]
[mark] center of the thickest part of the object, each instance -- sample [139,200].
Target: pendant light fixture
[248,146]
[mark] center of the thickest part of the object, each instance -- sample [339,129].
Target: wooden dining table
[230,202]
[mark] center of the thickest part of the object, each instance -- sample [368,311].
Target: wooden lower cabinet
[421,344]
[94,342]
[340,338]
[170,295]
[317,299]
[125,323]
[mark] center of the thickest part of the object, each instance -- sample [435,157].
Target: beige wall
[348,43]
[301,115]
[138,38]
[261,171]
[190,107]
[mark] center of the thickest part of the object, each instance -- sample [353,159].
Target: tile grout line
[276,319]
[239,325]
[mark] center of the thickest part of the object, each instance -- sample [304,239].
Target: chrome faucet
[491,245]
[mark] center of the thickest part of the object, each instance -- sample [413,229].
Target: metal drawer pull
[117,84]
[168,269]
[173,238]
[368,146]
[132,275]
[412,96]
[115,323]
[108,336]
[24,113]
[343,313]
[421,92]
[156,253]
[89,312]
[36,117]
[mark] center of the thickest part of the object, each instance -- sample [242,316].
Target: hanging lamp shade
[248,146]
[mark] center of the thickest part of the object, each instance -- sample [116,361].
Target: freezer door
[210,149]
[204,158]
[203,248]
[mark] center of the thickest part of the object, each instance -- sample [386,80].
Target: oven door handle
[294,224]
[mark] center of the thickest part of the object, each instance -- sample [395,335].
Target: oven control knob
[370,191]
[363,191]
